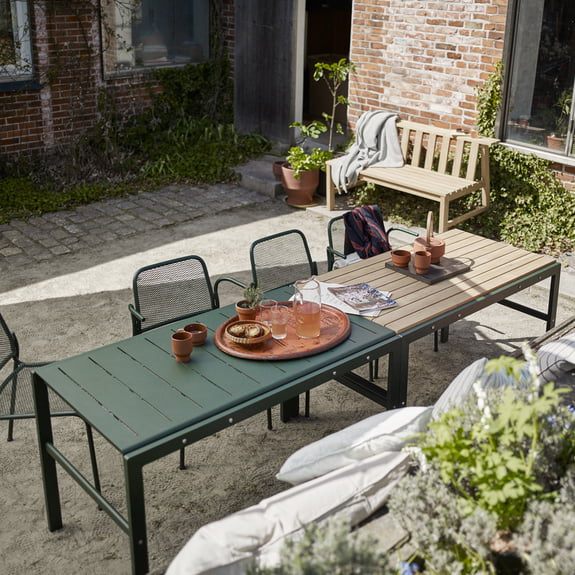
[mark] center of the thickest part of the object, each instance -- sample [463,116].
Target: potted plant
[247,308]
[300,173]
[556,140]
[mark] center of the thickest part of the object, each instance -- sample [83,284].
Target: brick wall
[68,67]
[424,59]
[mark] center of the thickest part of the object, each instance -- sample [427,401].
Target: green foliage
[493,475]
[20,197]
[333,74]
[530,207]
[301,161]
[185,136]
[328,549]
[253,295]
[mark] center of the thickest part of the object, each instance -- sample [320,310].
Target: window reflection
[542,75]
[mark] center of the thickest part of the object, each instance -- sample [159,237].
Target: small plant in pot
[300,173]
[556,141]
[247,308]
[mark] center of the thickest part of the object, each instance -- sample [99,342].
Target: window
[15,50]
[539,106]
[148,33]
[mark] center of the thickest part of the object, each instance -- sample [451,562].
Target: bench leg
[329,189]
[443,215]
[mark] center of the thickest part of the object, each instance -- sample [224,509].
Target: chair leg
[269,412]
[93,461]
[12,408]
[182,458]
[436,340]
[306,412]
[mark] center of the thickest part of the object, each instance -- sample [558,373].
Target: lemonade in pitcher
[307,308]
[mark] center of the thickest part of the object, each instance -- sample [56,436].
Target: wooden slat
[430,154]
[444,155]
[417,145]
[405,134]
[472,161]
[458,159]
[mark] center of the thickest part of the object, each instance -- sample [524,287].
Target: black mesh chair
[16,397]
[279,260]
[168,291]
[336,240]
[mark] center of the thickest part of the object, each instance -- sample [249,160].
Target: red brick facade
[70,78]
[424,59]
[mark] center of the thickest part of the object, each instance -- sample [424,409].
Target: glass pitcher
[307,308]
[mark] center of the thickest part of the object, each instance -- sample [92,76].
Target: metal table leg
[47,463]
[136,515]
[553,298]
[397,375]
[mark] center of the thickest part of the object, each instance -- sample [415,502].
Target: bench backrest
[440,150]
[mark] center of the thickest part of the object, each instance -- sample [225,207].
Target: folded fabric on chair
[376,142]
[365,232]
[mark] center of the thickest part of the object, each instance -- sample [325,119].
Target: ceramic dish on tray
[247,332]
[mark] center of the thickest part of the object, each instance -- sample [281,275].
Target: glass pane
[543,73]
[7,48]
[157,33]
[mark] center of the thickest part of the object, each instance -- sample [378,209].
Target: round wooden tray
[335,328]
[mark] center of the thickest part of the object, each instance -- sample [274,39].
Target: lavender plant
[487,489]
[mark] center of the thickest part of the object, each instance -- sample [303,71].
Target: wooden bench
[441,165]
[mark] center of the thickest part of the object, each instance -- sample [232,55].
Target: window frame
[138,69]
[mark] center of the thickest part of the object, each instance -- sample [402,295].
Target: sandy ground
[80,302]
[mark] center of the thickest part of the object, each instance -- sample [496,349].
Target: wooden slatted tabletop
[494,265]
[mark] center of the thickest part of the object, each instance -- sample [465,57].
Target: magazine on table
[363,297]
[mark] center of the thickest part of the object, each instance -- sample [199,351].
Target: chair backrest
[170,290]
[8,344]
[281,259]
[336,234]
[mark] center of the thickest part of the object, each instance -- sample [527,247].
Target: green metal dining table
[146,405]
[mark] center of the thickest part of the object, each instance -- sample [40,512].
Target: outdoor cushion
[557,357]
[387,431]
[226,547]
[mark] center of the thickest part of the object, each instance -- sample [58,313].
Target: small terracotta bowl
[401,258]
[198,331]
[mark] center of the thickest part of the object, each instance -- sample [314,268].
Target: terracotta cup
[421,261]
[198,331]
[182,346]
[400,258]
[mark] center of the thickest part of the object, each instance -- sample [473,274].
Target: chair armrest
[403,231]
[217,283]
[135,313]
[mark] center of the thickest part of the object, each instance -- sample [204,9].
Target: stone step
[257,175]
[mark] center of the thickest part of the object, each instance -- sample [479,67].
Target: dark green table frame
[146,405]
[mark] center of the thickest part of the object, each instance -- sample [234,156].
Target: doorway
[327,39]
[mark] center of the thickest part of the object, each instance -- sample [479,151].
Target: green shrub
[492,475]
[185,136]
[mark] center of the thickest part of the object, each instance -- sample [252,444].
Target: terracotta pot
[400,258]
[182,346]
[555,142]
[300,190]
[421,262]
[246,313]
[433,245]
[277,169]
[198,331]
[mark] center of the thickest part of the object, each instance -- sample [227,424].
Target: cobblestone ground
[25,242]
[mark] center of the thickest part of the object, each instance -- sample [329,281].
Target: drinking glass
[266,306]
[280,318]
[307,308]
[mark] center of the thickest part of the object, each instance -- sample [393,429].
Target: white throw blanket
[376,142]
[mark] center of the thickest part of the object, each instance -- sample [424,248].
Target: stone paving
[25,242]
